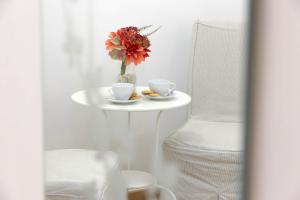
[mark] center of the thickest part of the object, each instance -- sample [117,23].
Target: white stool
[73,174]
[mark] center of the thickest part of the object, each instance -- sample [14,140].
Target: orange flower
[128,45]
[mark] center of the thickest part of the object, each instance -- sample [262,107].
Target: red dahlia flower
[128,45]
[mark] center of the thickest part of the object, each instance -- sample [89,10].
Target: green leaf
[148,34]
[145,27]
[114,54]
[116,41]
[117,54]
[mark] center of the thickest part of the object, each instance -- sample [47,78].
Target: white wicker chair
[208,148]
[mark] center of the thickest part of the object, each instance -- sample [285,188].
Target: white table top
[180,99]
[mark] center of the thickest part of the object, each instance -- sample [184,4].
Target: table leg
[130,138]
[157,145]
[105,115]
[108,129]
[157,159]
[131,176]
[129,133]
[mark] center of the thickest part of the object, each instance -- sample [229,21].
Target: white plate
[160,97]
[123,101]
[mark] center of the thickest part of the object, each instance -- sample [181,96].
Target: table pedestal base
[138,180]
[143,186]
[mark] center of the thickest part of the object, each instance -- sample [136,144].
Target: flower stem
[123,67]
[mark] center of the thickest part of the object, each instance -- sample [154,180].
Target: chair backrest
[217,83]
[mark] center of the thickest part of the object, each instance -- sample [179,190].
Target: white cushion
[209,156]
[75,174]
[210,135]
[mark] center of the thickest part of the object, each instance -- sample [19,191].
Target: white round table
[145,105]
[180,99]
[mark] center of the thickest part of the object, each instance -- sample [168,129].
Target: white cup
[162,87]
[122,91]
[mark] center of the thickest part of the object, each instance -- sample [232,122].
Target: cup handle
[172,89]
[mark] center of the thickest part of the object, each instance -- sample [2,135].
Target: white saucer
[123,101]
[160,97]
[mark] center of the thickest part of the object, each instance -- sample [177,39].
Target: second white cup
[162,87]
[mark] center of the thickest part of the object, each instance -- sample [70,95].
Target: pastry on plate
[147,92]
[154,95]
[134,96]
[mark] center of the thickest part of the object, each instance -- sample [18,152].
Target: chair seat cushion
[76,174]
[209,135]
[209,157]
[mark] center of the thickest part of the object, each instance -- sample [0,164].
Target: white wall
[21,169]
[69,125]
[274,162]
